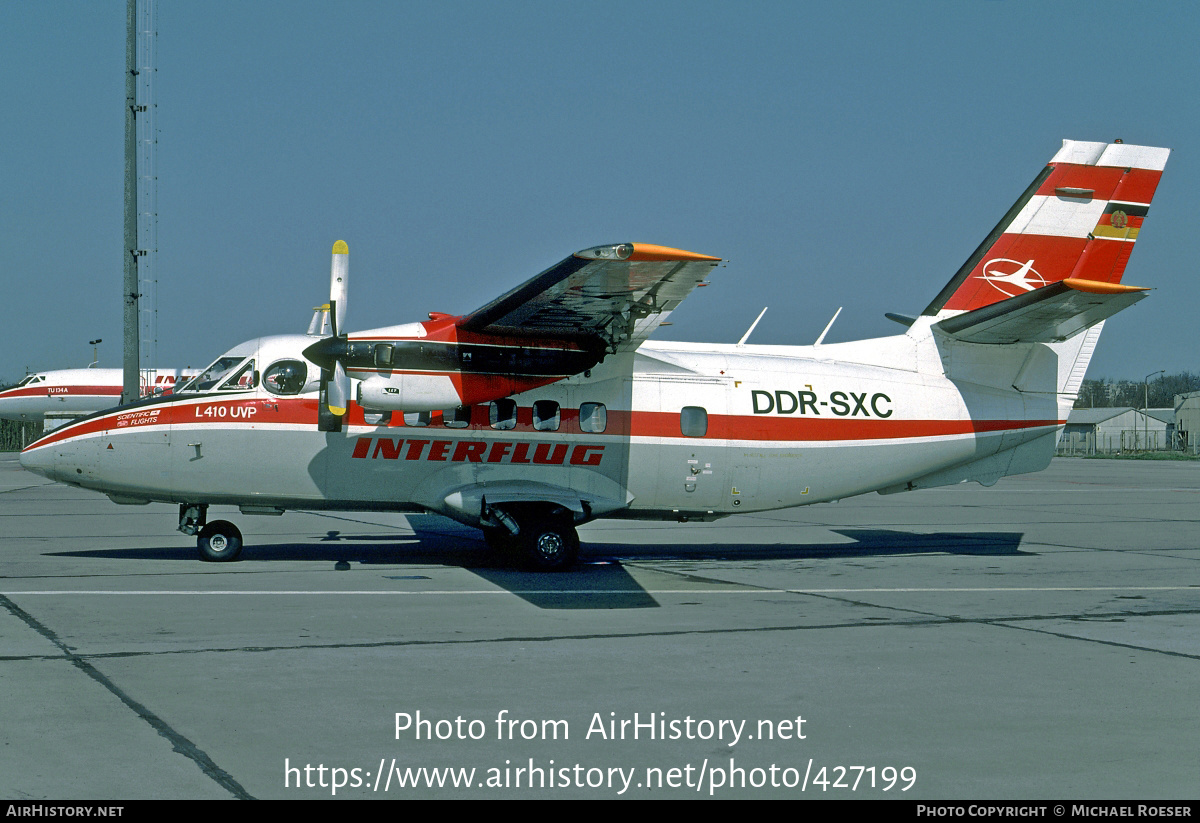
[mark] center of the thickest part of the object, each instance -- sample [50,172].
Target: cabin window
[593,417]
[418,419]
[545,416]
[693,421]
[458,418]
[285,377]
[376,418]
[502,414]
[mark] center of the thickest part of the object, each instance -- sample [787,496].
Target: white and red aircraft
[76,392]
[547,408]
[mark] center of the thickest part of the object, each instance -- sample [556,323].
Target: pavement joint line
[1004,623]
[918,620]
[178,742]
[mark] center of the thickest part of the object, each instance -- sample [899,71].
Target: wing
[1045,315]
[618,294]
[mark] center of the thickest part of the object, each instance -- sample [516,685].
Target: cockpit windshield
[212,377]
[31,378]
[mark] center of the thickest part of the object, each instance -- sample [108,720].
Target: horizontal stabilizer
[902,319]
[1046,315]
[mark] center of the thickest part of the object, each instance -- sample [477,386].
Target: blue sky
[836,154]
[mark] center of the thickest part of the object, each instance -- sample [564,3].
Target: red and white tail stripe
[1078,219]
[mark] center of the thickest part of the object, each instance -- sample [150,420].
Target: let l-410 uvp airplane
[546,407]
[67,393]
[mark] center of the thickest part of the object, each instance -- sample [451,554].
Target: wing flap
[618,294]
[1046,315]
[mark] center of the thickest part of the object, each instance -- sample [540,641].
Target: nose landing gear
[218,541]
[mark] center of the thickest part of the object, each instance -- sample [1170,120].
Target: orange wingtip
[649,251]
[1097,287]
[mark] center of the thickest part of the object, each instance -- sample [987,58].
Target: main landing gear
[217,541]
[545,538]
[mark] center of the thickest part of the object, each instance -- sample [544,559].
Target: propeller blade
[339,390]
[327,353]
[339,283]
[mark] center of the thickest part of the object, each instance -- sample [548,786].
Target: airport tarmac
[1036,640]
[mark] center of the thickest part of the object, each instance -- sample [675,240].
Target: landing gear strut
[192,517]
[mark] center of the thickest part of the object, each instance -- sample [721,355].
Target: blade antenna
[742,342]
[828,326]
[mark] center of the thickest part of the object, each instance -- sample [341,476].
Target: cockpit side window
[246,378]
[285,377]
[214,374]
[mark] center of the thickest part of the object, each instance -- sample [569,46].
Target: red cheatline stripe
[42,390]
[620,423]
[810,429]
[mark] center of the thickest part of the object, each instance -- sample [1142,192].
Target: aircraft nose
[10,406]
[39,461]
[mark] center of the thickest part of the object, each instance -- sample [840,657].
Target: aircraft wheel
[549,541]
[220,540]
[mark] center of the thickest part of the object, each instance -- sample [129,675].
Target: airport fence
[1119,441]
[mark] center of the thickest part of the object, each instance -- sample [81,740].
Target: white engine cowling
[408,392]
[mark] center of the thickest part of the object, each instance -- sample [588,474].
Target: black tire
[219,541]
[548,540]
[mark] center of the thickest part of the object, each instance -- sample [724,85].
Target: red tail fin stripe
[1137,186]
[1006,272]
[1128,185]
[1102,181]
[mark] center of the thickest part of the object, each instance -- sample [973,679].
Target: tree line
[1104,392]
[13,434]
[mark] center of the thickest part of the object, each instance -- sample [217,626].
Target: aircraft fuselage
[673,431]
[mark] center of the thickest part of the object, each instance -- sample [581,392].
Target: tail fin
[1078,220]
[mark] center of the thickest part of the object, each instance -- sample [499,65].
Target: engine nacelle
[408,392]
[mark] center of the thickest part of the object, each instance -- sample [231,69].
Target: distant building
[1187,421]
[1107,431]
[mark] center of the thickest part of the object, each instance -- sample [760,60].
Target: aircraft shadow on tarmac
[600,581]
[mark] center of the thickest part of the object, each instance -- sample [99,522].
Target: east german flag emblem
[1120,221]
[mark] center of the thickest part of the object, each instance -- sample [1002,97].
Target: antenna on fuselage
[742,342]
[828,326]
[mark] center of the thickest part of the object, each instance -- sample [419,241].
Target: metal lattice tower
[147,188]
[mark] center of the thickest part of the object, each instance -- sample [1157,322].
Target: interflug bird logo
[1012,277]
